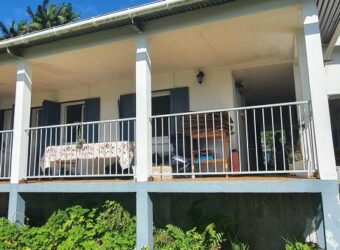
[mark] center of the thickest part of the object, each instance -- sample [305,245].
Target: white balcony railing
[6,140]
[268,139]
[91,149]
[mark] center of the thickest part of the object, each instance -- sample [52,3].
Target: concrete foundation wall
[261,219]
[3,204]
[39,207]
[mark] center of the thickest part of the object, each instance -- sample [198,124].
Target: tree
[12,31]
[46,16]
[51,15]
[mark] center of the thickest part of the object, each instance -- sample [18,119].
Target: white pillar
[313,75]
[144,215]
[143,110]
[21,121]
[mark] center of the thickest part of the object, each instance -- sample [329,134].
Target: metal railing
[91,149]
[266,139]
[6,142]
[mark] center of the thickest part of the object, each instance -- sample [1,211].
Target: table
[108,152]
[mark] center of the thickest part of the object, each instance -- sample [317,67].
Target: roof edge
[112,17]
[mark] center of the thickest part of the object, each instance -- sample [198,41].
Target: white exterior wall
[216,91]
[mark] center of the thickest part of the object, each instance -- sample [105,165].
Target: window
[36,117]
[72,113]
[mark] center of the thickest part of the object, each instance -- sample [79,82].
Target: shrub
[235,244]
[173,238]
[9,234]
[107,227]
[296,245]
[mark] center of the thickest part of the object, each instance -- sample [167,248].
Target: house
[178,97]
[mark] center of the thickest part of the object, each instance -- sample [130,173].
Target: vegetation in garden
[45,16]
[112,227]
[296,245]
[107,227]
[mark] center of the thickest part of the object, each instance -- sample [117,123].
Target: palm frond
[4,29]
[30,13]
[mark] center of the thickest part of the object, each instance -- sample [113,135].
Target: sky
[16,9]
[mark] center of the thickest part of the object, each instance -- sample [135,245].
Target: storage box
[162,173]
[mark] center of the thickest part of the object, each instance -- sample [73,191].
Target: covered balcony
[227,99]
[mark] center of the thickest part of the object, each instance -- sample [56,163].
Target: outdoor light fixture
[200,77]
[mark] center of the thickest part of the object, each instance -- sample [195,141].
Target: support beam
[21,121]
[16,208]
[313,65]
[143,109]
[331,215]
[144,220]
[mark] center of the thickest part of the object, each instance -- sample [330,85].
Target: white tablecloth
[122,151]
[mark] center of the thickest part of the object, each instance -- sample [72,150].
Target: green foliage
[9,234]
[45,16]
[296,245]
[173,238]
[107,227]
[50,15]
[235,244]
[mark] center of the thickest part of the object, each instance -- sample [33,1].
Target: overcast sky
[16,9]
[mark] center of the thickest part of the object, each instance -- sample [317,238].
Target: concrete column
[144,220]
[313,75]
[21,121]
[331,215]
[16,208]
[143,110]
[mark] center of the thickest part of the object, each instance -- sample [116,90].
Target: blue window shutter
[50,116]
[12,121]
[127,109]
[91,114]
[179,103]
[50,113]
[2,118]
[179,100]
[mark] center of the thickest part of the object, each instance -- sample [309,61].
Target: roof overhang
[132,16]
[329,13]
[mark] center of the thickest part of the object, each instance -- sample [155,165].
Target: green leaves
[108,227]
[46,16]
[173,238]
[296,245]
[9,234]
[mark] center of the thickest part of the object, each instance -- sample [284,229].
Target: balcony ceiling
[268,35]
[278,80]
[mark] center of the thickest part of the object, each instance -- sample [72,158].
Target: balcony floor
[182,179]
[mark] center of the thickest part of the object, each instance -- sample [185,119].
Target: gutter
[96,21]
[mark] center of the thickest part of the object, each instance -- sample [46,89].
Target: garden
[110,226]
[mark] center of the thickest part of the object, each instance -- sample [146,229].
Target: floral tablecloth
[122,151]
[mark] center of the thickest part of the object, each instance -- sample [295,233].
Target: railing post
[143,110]
[313,80]
[21,121]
